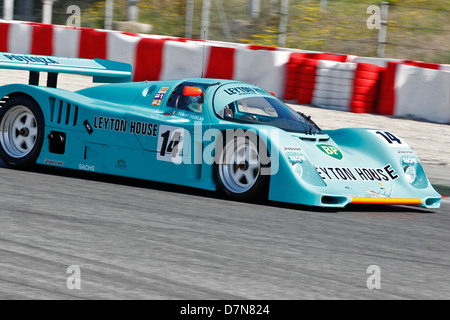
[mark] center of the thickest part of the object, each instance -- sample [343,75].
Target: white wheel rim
[241,166]
[18,131]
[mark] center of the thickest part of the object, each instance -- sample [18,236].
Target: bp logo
[331,151]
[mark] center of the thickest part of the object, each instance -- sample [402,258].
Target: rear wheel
[21,132]
[240,169]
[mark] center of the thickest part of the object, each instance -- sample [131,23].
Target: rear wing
[103,71]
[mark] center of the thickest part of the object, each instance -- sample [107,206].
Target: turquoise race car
[211,134]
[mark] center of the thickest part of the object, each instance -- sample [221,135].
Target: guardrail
[357,84]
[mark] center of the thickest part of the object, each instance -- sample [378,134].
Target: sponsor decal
[329,173]
[244,90]
[111,124]
[331,151]
[292,149]
[121,164]
[159,96]
[387,173]
[86,167]
[409,161]
[405,152]
[187,115]
[121,125]
[295,158]
[54,162]
[156,102]
[143,128]
[24,58]
[383,192]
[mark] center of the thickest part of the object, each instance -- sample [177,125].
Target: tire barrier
[306,80]
[365,88]
[357,84]
[301,74]
[334,82]
[345,86]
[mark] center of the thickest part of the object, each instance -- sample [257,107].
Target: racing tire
[21,132]
[241,174]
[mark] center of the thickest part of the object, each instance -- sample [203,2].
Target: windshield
[267,110]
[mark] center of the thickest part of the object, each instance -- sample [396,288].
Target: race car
[212,134]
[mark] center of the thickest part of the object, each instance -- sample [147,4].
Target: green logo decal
[331,151]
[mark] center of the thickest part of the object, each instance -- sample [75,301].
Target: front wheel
[240,169]
[21,132]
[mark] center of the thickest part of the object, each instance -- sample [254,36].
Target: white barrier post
[383,29]
[255,8]
[206,8]
[109,13]
[284,8]
[189,18]
[8,9]
[133,11]
[47,8]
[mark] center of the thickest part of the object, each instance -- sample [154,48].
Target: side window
[228,111]
[178,100]
[175,96]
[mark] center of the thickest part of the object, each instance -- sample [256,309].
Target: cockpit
[187,97]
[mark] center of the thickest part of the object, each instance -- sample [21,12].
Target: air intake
[334,200]
[62,112]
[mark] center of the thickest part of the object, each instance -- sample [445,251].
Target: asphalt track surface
[134,239]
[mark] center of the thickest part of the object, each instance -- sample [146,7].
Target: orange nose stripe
[410,201]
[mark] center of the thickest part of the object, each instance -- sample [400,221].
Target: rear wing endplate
[102,71]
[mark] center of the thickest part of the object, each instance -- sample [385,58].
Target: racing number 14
[390,138]
[170,144]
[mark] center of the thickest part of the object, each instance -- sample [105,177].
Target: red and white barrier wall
[414,91]
[152,57]
[343,82]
